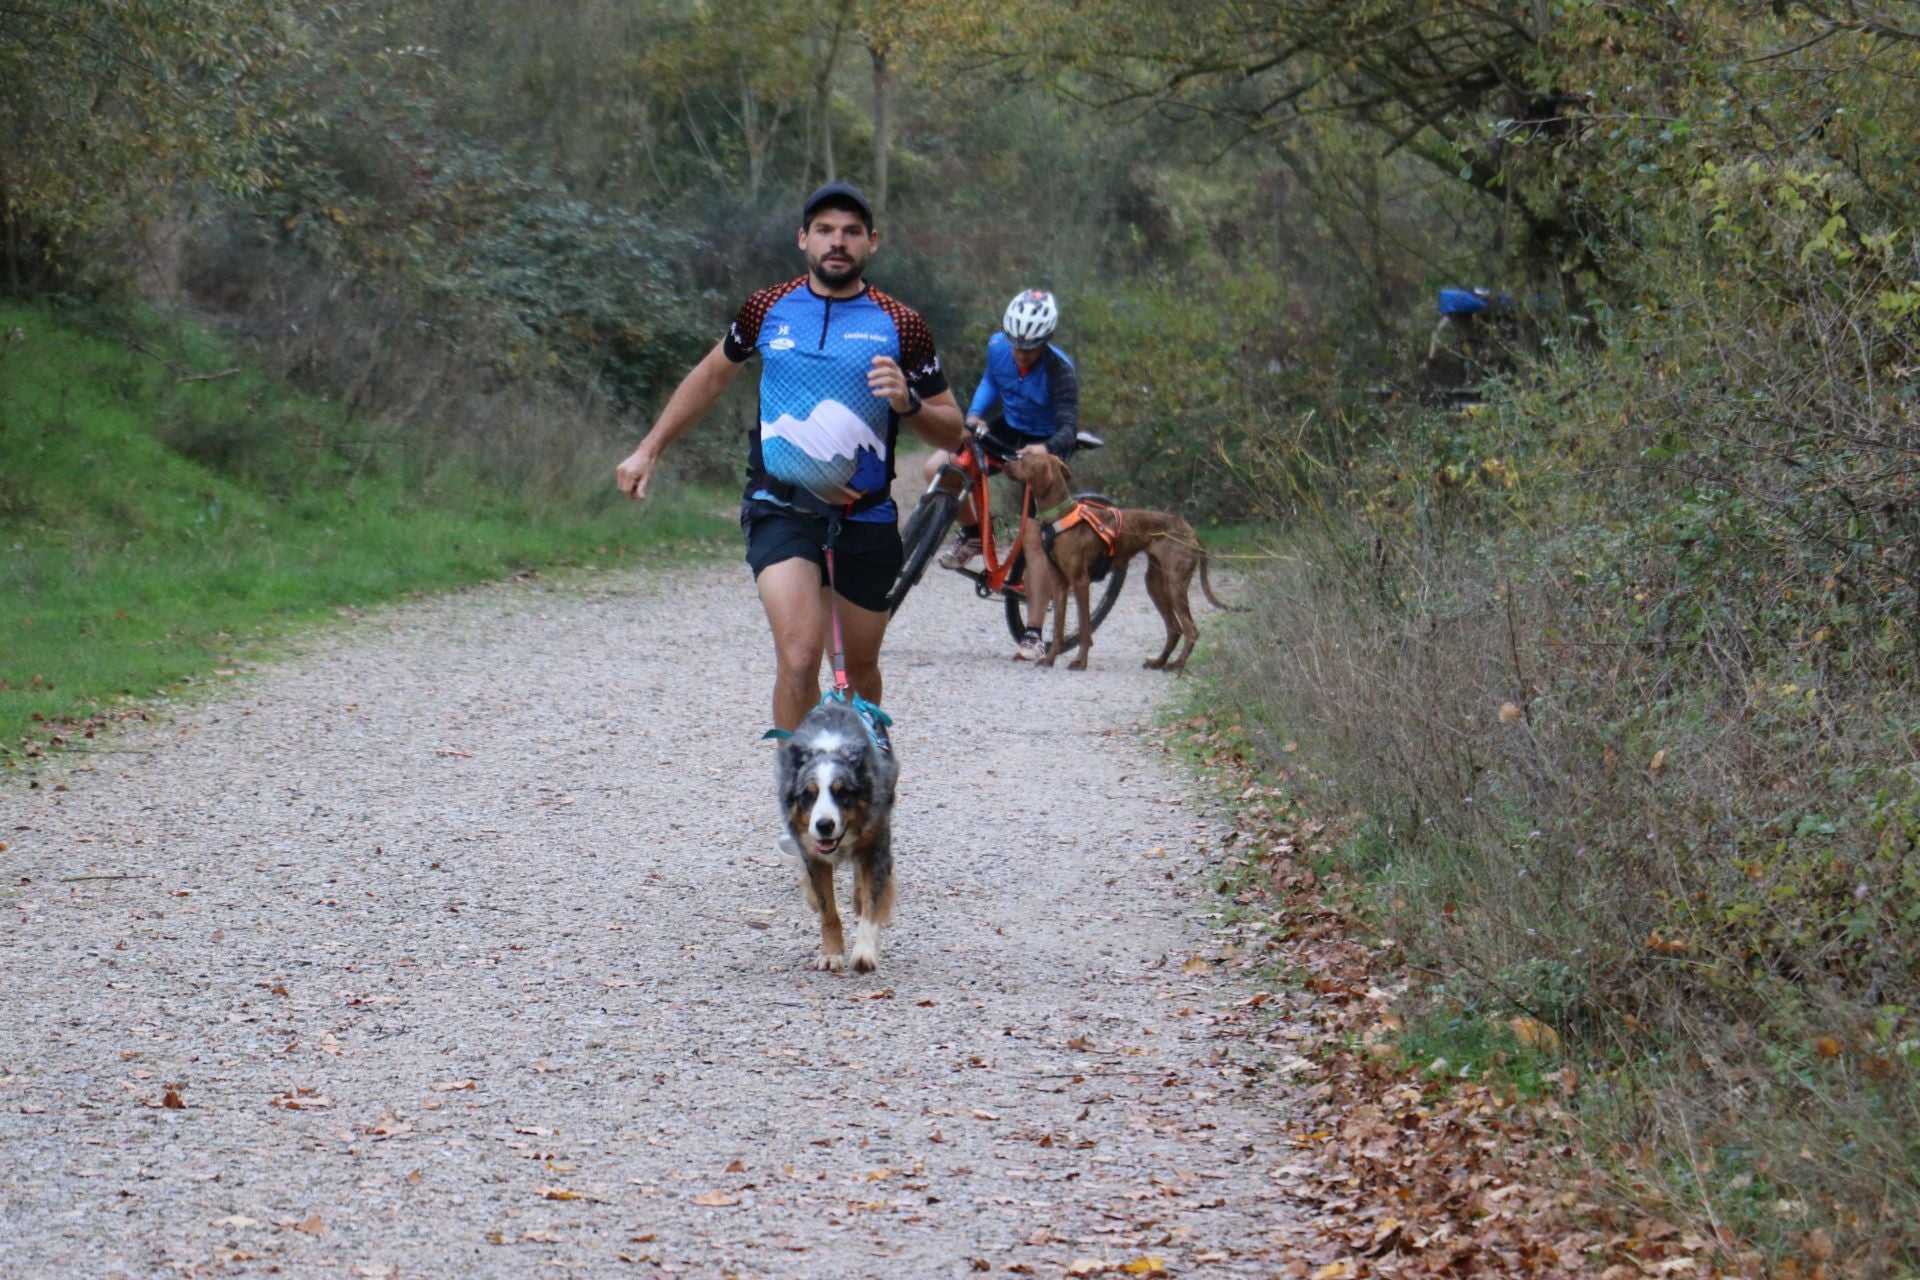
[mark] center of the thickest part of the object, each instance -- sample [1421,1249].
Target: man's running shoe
[1032,647]
[965,547]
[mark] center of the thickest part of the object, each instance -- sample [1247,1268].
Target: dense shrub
[1623,669]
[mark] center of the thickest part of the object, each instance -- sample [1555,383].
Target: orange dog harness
[1102,517]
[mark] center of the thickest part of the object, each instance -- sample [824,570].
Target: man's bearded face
[837,244]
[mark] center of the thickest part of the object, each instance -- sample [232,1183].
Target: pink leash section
[840,685]
[876,720]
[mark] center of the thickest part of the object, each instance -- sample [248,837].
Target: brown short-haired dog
[1173,553]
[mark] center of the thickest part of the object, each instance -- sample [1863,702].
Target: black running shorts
[866,555]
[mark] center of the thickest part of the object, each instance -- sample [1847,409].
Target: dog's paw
[866,948]
[1043,662]
[1078,664]
[828,963]
[1155,664]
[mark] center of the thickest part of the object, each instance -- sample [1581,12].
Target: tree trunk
[759,129]
[882,122]
[9,223]
[823,89]
[750,132]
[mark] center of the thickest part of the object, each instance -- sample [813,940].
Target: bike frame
[969,471]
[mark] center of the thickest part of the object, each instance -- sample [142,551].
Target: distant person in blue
[1028,401]
[843,365]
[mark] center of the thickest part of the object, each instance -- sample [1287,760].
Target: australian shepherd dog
[836,783]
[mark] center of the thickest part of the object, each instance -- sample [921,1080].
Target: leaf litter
[1401,1173]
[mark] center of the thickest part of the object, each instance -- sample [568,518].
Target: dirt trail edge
[458,946]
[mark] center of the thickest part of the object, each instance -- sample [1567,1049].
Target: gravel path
[458,946]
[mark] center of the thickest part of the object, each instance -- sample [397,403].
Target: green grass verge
[149,525]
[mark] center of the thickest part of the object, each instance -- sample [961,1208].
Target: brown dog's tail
[1206,585]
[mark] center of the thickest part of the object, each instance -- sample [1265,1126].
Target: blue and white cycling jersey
[821,428]
[1042,404]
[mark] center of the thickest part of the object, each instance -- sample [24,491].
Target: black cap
[844,194]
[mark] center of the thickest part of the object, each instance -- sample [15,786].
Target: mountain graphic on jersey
[832,452]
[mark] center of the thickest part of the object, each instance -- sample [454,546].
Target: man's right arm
[689,403]
[985,397]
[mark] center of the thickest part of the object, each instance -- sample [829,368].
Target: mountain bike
[927,528]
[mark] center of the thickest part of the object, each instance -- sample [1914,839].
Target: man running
[1028,401]
[843,365]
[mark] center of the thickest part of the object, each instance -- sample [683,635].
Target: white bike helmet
[1031,319]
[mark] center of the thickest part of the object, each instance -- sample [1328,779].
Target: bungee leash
[871,716]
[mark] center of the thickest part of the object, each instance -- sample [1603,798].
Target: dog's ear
[1066,472]
[786,762]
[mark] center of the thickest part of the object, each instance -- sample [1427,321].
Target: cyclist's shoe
[965,547]
[1032,647]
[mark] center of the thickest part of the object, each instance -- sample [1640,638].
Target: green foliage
[105,108]
[152,525]
[1627,662]
[599,291]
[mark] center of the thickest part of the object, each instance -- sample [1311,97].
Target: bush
[1624,666]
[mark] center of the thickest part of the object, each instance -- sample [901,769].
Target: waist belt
[806,500]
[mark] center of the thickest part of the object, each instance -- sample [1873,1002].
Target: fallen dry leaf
[453,1086]
[388,1125]
[1534,1033]
[716,1200]
[1196,964]
[301,1100]
[311,1225]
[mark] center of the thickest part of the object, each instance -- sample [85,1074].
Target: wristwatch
[914,403]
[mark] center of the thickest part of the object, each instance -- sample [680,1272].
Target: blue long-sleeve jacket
[1042,404]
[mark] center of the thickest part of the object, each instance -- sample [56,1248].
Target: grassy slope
[148,525]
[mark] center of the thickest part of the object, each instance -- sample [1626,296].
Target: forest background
[1602,609]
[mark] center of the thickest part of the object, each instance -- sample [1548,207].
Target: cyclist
[843,365]
[1028,400]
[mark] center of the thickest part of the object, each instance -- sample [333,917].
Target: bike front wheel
[1098,607]
[920,541]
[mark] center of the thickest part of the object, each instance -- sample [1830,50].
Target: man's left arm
[916,386]
[1063,391]
[936,420]
[940,422]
